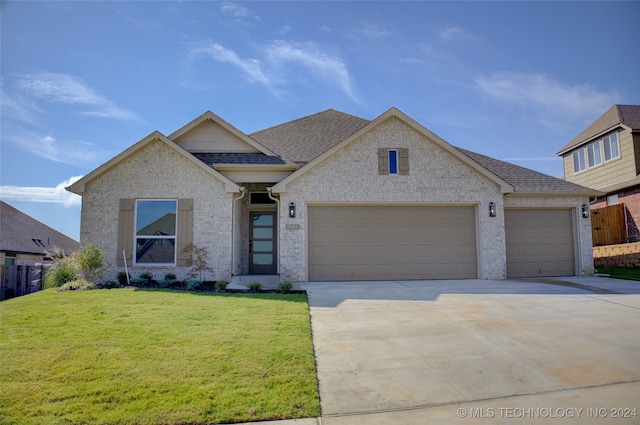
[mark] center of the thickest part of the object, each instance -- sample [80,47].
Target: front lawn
[621,273]
[127,356]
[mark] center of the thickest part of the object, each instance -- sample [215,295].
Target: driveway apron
[462,350]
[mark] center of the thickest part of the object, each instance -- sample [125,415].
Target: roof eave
[578,193]
[570,147]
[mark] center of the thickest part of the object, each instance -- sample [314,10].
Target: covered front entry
[391,242]
[539,242]
[262,242]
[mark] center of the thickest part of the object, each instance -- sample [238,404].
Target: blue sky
[82,81]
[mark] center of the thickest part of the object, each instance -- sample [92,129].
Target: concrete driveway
[476,351]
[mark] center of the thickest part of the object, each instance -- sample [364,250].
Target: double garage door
[392,242]
[435,242]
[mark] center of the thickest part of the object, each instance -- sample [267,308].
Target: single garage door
[391,242]
[539,242]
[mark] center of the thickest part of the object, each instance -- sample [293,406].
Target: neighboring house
[26,241]
[606,157]
[331,196]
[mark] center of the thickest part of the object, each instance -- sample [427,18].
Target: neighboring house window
[10,259]
[579,163]
[155,236]
[393,161]
[611,148]
[596,153]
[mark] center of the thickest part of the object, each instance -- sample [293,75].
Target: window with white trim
[596,153]
[155,232]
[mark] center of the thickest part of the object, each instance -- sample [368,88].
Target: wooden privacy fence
[20,280]
[609,225]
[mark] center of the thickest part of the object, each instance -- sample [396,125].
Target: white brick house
[331,197]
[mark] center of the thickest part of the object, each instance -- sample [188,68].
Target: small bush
[77,285]
[138,281]
[170,276]
[146,276]
[284,287]
[255,286]
[193,284]
[108,284]
[123,278]
[221,286]
[90,262]
[165,283]
[61,271]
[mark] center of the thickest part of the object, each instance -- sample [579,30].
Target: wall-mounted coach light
[492,209]
[292,210]
[585,211]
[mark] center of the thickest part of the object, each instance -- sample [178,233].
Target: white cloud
[57,195]
[272,70]
[251,68]
[554,104]
[70,90]
[370,30]
[455,33]
[237,12]
[329,68]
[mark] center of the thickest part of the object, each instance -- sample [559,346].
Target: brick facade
[158,172]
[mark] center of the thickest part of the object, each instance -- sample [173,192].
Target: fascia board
[79,186]
[580,193]
[224,124]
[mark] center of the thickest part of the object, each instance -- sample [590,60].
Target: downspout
[243,191]
[278,218]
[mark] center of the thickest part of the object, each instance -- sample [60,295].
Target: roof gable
[625,115]
[22,233]
[393,112]
[210,133]
[79,186]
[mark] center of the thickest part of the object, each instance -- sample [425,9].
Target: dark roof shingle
[237,158]
[22,233]
[301,140]
[524,179]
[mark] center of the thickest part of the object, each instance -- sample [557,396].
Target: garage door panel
[539,242]
[401,242]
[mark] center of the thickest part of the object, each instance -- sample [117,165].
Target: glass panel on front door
[262,243]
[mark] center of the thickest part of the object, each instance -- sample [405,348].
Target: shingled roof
[213,158]
[22,233]
[627,115]
[301,140]
[524,179]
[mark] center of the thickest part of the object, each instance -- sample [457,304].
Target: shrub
[146,276]
[123,278]
[199,265]
[165,283]
[108,284]
[255,286]
[138,281]
[170,276]
[90,262]
[221,286]
[61,271]
[77,285]
[193,284]
[284,287]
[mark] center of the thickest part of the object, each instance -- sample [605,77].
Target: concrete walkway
[465,352]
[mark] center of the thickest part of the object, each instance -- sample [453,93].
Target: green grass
[621,273]
[126,356]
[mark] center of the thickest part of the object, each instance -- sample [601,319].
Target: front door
[262,243]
